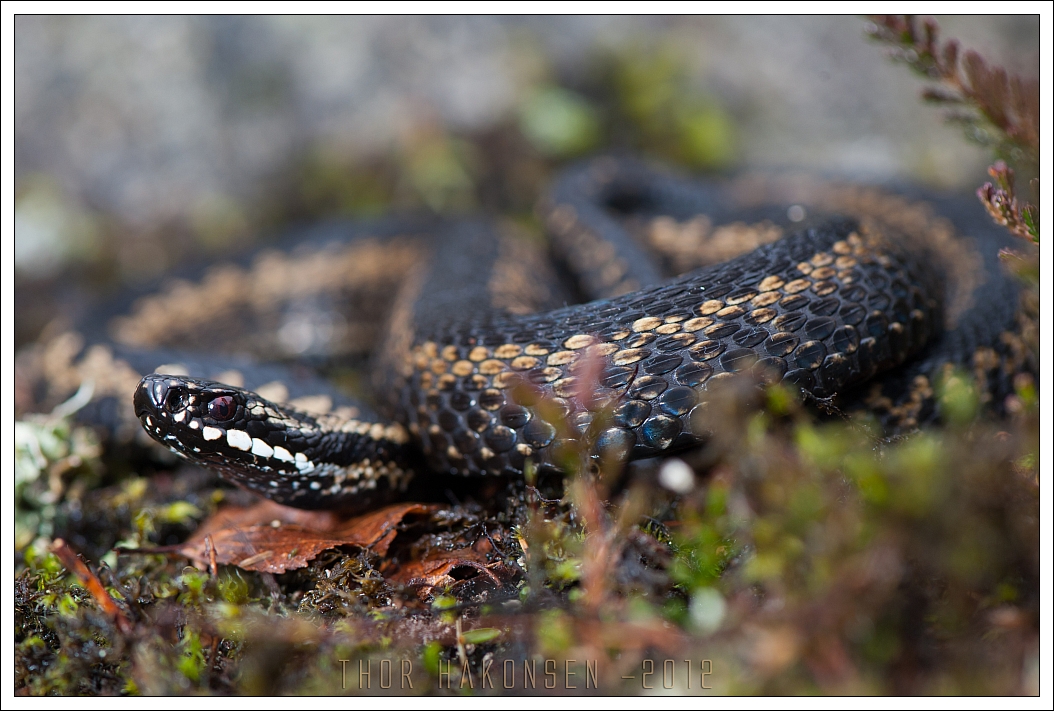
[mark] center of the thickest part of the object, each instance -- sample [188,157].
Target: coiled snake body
[842,291]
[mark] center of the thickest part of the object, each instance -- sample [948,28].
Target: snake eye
[222,408]
[176,399]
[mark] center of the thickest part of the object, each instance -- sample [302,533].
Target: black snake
[482,367]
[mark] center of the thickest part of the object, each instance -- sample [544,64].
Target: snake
[494,354]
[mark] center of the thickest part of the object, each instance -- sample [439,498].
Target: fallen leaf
[264,512]
[377,530]
[435,572]
[265,548]
[270,538]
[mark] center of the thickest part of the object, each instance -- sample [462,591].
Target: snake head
[288,455]
[198,419]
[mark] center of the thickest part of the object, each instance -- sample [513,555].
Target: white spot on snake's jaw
[303,464]
[282,454]
[178,417]
[239,440]
[261,448]
[211,433]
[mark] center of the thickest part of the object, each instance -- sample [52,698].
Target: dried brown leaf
[265,548]
[376,530]
[264,511]
[437,569]
[271,538]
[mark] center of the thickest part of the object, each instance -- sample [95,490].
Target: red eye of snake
[222,408]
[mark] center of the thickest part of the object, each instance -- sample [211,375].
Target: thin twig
[91,583]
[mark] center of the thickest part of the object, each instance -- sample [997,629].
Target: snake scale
[487,360]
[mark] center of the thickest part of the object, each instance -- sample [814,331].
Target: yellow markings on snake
[710,306]
[508,350]
[562,358]
[524,363]
[602,349]
[646,324]
[768,297]
[698,323]
[630,355]
[730,312]
[770,283]
[580,340]
[491,367]
[741,298]
[462,368]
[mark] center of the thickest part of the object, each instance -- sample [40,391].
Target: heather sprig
[996,108]
[1008,102]
[1001,202]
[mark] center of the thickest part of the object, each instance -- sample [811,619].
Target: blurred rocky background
[143,142]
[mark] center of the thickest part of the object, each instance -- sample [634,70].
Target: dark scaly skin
[657,348]
[457,380]
[988,331]
[825,308]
